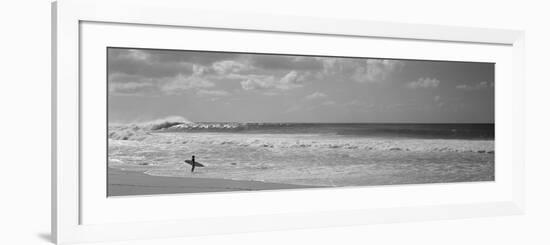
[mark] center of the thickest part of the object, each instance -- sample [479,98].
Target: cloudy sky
[148,84]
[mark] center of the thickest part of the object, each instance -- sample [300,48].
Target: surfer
[193,163]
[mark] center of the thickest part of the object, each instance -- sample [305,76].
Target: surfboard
[197,164]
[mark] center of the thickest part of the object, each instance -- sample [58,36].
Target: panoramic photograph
[188,121]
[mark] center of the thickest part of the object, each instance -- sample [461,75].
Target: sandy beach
[124,183]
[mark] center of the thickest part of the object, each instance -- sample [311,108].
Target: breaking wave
[140,130]
[164,122]
[288,136]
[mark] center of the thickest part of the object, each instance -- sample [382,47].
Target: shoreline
[127,183]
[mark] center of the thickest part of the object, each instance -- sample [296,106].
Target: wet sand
[124,183]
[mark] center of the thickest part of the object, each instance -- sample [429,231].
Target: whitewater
[307,154]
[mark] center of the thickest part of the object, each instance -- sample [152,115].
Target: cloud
[140,63]
[229,66]
[355,103]
[182,83]
[127,78]
[361,70]
[479,86]
[136,54]
[216,93]
[259,82]
[291,80]
[316,95]
[286,62]
[329,102]
[183,56]
[172,72]
[438,101]
[270,93]
[424,83]
[376,70]
[199,70]
[124,84]
[131,88]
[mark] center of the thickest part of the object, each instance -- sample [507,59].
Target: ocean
[316,154]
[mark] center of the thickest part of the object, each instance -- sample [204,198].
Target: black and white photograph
[198,121]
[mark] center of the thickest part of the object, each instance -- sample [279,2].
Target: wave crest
[164,122]
[140,130]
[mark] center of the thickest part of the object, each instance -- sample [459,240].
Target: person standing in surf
[192,163]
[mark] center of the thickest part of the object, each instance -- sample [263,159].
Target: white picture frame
[69,198]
